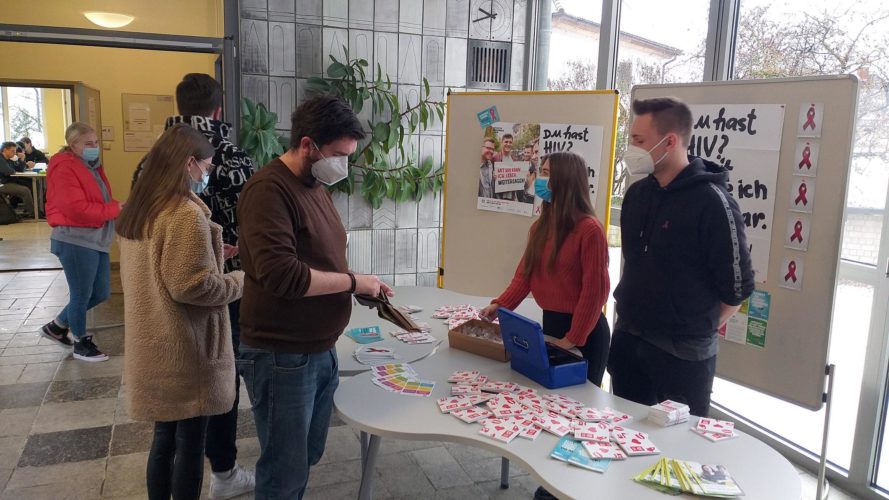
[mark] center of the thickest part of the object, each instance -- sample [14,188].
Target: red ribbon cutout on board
[810,118]
[791,271]
[797,232]
[802,194]
[806,161]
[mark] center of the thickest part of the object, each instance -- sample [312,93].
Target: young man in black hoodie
[686,269]
[199,99]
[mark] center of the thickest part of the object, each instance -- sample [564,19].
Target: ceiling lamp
[109,19]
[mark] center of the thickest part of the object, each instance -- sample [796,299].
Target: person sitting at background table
[9,166]
[33,155]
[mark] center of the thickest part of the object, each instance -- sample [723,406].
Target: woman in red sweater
[565,264]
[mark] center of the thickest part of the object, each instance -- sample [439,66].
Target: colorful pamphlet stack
[668,413]
[571,451]
[365,335]
[401,378]
[370,355]
[715,430]
[681,476]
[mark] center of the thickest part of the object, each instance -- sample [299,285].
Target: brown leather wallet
[387,311]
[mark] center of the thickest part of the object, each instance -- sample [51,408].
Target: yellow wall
[54,118]
[177,17]
[112,72]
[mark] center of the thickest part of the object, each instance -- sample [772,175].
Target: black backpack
[7,214]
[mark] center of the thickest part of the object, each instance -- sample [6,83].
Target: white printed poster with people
[510,162]
[746,140]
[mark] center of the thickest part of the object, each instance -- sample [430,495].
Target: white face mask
[638,161]
[331,170]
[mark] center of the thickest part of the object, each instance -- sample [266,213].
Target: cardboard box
[458,339]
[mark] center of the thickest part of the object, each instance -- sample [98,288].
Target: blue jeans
[292,398]
[88,273]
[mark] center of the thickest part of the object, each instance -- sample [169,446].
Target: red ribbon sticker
[810,118]
[807,152]
[802,196]
[791,271]
[797,232]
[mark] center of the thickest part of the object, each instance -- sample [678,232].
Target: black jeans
[643,373]
[595,351]
[222,430]
[176,459]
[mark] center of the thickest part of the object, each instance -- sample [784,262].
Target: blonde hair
[74,132]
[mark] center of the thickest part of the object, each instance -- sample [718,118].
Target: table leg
[365,492]
[363,449]
[504,473]
[34,195]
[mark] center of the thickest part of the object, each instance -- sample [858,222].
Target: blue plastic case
[546,364]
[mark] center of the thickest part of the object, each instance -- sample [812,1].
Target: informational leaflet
[749,325]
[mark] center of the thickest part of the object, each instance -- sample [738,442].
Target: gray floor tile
[110,341]
[125,476]
[10,374]
[390,446]
[22,395]
[441,468]
[467,454]
[17,421]
[4,477]
[23,340]
[131,438]
[71,473]
[333,473]
[72,369]
[62,391]
[342,445]
[38,372]
[54,417]
[466,492]
[347,489]
[520,488]
[67,446]
[488,469]
[402,477]
[34,358]
[10,451]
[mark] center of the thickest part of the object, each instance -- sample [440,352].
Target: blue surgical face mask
[541,189]
[90,154]
[198,187]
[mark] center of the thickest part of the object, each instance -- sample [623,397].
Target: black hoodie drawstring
[653,202]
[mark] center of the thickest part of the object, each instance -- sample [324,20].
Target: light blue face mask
[90,154]
[541,189]
[198,187]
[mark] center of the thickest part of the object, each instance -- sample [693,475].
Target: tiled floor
[65,432]
[25,246]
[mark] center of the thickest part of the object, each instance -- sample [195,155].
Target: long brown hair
[164,180]
[570,201]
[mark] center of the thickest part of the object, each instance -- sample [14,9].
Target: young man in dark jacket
[686,268]
[199,99]
[32,154]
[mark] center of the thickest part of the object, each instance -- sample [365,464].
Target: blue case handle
[520,342]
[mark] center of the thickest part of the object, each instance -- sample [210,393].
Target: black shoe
[85,350]
[542,494]
[55,332]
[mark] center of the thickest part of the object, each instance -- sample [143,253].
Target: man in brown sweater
[297,293]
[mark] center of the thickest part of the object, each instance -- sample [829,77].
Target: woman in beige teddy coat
[179,362]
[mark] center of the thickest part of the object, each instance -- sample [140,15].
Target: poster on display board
[510,162]
[746,140]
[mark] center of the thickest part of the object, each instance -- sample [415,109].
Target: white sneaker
[231,484]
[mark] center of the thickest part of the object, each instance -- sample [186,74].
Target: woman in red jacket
[81,211]
[565,264]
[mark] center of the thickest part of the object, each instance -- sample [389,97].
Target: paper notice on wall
[139,117]
[510,162]
[749,325]
[746,140]
[138,141]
